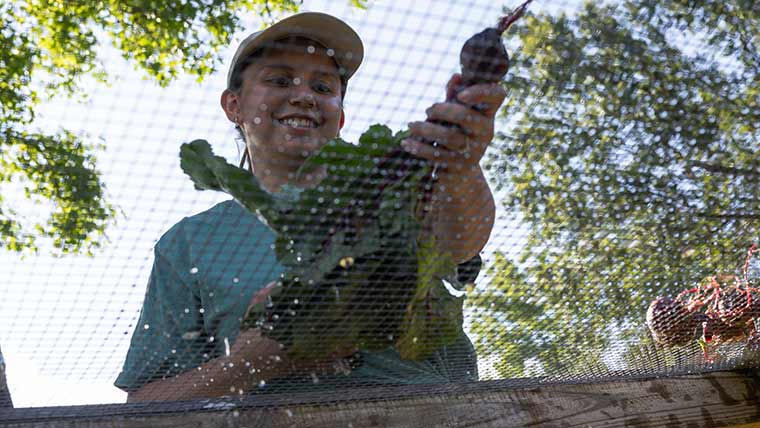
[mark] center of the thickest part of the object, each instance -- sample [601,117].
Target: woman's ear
[230,105]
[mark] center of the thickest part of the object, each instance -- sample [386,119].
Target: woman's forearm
[462,214]
[221,376]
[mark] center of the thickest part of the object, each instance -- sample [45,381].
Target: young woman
[285,90]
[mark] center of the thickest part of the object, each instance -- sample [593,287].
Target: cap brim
[327,30]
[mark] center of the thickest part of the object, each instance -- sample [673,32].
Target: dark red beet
[483,57]
[726,307]
[670,322]
[735,305]
[714,329]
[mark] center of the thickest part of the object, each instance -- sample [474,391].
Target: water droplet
[193,270]
[289,413]
[262,383]
[236,414]
[346,262]
[330,52]
[297,81]
[414,340]
[236,280]
[314,378]
[201,310]
[295,301]
[187,310]
[146,326]
[227,348]
[257,120]
[310,49]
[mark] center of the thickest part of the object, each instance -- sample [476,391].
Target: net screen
[175,227]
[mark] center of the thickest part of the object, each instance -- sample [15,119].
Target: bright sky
[67,321]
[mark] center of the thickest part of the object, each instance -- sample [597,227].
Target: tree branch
[722,169]
[733,216]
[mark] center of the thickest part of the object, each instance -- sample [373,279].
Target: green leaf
[210,172]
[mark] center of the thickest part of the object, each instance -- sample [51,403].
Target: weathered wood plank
[718,399]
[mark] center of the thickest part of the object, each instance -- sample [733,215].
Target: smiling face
[288,105]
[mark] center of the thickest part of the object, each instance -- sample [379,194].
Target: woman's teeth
[298,123]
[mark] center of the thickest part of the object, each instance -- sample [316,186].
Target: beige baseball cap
[336,36]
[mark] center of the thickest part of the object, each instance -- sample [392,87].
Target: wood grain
[720,399]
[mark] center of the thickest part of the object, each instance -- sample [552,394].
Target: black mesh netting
[624,169]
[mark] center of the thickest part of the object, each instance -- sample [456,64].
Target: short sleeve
[169,337]
[458,362]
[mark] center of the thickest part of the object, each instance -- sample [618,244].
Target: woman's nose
[302,96]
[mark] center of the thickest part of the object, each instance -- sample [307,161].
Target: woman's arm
[253,358]
[462,214]
[462,206]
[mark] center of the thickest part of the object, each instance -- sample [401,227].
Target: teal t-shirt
[206,269]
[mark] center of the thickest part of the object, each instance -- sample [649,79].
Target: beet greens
[356,271]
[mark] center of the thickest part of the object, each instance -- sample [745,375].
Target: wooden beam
[719,399]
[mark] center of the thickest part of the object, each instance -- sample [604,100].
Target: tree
[46,49]
[633,158]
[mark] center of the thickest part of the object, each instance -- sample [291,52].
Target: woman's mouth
[297,123]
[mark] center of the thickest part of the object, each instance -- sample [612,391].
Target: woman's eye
[279,81]
[323,88]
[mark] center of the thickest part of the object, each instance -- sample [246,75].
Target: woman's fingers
[260,297]
[487,97]
[448,136]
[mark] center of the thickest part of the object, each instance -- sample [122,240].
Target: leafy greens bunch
[359,269]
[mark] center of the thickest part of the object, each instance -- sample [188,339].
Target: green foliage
[359,271]
[162,38]
[59,169]
[634,163]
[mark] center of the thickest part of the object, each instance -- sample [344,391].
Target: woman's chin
[304,146]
